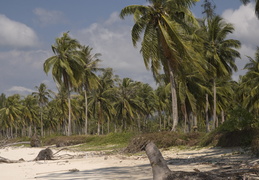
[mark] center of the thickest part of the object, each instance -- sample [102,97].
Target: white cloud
[47,17]
[113,40]
[246,30]
[16,34]
[19,90]
[245,22]
[22,68]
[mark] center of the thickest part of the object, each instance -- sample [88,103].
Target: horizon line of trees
[192,61]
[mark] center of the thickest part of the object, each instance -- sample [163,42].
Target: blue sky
[29,28]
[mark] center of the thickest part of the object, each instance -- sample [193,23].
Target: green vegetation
[192,61]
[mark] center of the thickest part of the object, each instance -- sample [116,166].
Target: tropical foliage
[192,61]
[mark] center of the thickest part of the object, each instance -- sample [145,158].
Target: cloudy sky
[29,28]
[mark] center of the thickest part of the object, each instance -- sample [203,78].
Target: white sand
[96,167]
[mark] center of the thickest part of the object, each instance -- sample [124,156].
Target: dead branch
[12,144]
[5,160]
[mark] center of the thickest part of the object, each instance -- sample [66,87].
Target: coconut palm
[30,111]
[2,100]
[127,105]
[162,24]
[249,82]
[60,106]
[90,80]
[10,114]
[42,95]
[220,52]
[101,99]
[146,95]
[67,66]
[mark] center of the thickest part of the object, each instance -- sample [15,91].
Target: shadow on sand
[142,172]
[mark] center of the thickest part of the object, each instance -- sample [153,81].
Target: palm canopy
[66,64]
[42,94]
[91,61]
[219,51]
[11,111]
[163,22]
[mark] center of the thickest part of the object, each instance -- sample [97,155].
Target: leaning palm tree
[42,96]
[67,66]
[163,24]
[220,52]
[89,78]
[256,6]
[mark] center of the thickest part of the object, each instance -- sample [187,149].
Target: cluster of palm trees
[192,62]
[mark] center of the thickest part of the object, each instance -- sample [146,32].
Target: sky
[28,28]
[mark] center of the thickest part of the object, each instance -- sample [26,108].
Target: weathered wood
[5,160]
[158,164]
[162,172]
[12,144]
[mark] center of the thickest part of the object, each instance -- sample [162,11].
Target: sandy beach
[96,165]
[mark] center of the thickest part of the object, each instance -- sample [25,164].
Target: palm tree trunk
[185,117]
[207,113]
[69,116]
[214,103]
[41,122]
[174,100]
[99,118]
[86,114]
[222,116]
[195,122]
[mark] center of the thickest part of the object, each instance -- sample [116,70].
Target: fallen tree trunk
[162,172]
[5,160]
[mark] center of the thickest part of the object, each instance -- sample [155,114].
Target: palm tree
[42,96]
[2,100]
[127,105]
[67,66]
[30,113]
[147,103]
[256,6]
[90,80]
[10,114]
[249,82]
[163,24]
[163,103]
[101,99]
[220,53]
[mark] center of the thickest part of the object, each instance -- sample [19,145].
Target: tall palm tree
[101,99]
[42,96]
[256,6]
[163,24]
[220,52]
[67,66]
[90,80]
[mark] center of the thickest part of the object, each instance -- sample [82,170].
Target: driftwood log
[162,172]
